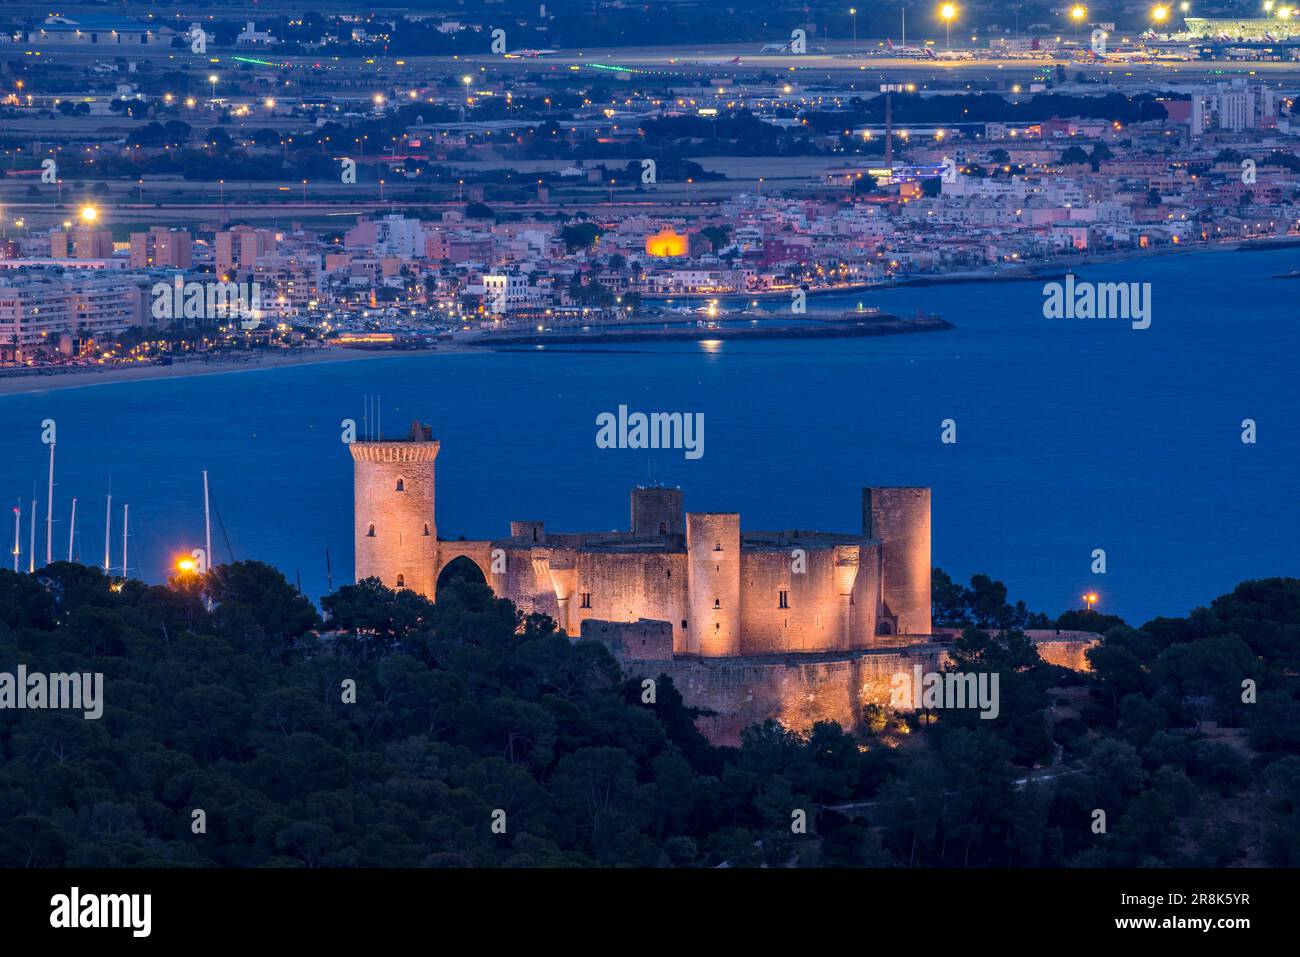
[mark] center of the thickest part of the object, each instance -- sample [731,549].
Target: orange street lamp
[1091,599]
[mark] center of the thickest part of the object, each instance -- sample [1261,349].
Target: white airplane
[786,48]
[1088,55]
[917,53]
[734,61]
[528,54]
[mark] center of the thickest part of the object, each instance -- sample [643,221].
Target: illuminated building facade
[665,243]
[1260,28]
[721,591]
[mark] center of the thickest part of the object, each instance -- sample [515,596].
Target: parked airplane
[787,48]
[734,61]
[918,53]
[1088,55]
[528,54]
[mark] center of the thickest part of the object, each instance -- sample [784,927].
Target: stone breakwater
[875,326]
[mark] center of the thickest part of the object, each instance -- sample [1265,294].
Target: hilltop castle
[798,625]
[725,592]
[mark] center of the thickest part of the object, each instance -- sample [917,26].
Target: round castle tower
[713,570]
[393,496]
[900,517]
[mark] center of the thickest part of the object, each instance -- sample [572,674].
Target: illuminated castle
[684,590]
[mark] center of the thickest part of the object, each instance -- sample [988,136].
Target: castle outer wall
[795,690]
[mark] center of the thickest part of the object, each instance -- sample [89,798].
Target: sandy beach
[28,384]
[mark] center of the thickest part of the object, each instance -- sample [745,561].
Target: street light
[948,11]
[1091,599]
[89,214]
[1077,13]
[212,78]
[1159,14]
[853,12]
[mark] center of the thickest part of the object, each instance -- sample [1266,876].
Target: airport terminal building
[1233,28]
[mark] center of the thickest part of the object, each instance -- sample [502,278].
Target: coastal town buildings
[593,237]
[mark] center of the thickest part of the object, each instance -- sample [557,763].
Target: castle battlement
[393,452]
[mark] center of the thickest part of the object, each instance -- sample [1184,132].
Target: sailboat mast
[49,513]
[207,526]
[72,528]
[108,528]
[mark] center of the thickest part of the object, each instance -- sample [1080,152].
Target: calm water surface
[1071,435]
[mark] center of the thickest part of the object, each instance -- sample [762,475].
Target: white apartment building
[38,308]
[505,292]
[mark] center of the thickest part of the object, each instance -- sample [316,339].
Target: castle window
[401,485]
[683,624]
[717,546]
[717,603]
[663,528]
[370,532]
[670,573]
[426,528]
[783,599]
[586,599]
[401,581]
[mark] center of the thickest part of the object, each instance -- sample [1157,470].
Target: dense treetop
[467,707]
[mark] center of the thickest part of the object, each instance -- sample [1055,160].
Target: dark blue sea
[1072,435]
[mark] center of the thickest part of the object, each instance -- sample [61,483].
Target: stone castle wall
[641,641]
[1067,649]
[798,691]
[722,592]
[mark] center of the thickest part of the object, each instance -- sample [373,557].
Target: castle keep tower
[393,494]
[900,517]
[713,570]
[657,510]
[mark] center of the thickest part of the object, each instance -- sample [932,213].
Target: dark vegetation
[467,707]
